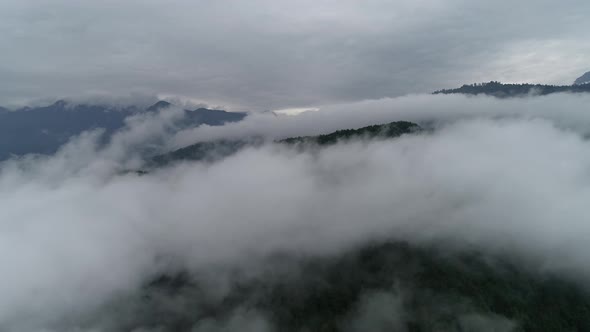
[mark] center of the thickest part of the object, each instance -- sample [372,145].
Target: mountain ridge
[43,129]
[507,90]
[215,150]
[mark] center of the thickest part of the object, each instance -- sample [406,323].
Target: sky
[505,176]
[267,55]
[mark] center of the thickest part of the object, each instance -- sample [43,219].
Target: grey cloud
[266,55]
[386,311]
[564,110]
[471,183]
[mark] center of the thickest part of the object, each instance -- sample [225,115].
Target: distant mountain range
[43,130]
[502,90]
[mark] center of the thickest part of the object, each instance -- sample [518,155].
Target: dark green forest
[215,150]
[415,289]
[389,130]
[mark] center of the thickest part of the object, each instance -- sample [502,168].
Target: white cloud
[68,243]
[565,110]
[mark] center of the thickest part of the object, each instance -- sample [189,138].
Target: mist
[564,110]
[506,177]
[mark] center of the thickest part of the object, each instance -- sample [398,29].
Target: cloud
[389,311]
[565,110]
[246,321]
[76,232]
[263,55]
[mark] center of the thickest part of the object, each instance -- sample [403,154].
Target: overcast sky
[268,54]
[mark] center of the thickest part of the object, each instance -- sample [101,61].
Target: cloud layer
[264,55]
[76,232]
[567,111]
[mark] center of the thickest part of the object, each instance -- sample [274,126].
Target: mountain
[502,90]
[44,129]
[214,117]
[382,285]
[401,288]
[203,151]
[389,130]
[215,150]
[202,115]
[584,79]
[159,106]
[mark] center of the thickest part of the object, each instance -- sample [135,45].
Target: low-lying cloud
[76,232]
[565,110]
